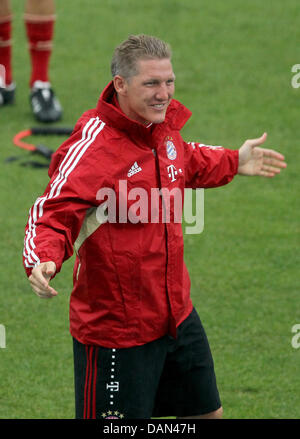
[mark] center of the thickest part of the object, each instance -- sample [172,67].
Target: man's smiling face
[146,96]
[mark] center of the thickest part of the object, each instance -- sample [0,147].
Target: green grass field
[233,65]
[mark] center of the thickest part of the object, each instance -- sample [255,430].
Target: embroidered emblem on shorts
[112,415]
[113,386]
[170,148]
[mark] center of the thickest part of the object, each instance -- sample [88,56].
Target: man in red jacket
[139,347]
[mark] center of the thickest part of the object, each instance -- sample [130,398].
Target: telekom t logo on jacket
[172,172]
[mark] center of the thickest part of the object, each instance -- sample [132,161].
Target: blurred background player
[39,19]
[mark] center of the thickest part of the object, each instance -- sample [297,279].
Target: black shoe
[7,94]
[44,103]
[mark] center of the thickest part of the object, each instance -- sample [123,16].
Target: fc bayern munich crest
[171,150]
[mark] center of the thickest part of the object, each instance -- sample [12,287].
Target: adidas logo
[134,170]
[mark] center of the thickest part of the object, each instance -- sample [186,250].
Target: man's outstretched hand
[40,277]
[263,162]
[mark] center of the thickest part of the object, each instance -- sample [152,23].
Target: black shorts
[166,377]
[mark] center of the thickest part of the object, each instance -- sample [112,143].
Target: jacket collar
[176,116]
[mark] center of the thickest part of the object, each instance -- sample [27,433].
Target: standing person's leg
[39,21]
[217,414]
[117,383]
[188,387]
[7,87]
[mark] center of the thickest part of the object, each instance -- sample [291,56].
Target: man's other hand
[40,277]
[254,160]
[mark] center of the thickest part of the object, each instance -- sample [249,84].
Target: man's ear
[120,85]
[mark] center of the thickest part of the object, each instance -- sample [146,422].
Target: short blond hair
[135,48]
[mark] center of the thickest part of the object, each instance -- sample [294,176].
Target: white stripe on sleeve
[89,133]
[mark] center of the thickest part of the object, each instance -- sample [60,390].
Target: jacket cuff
[58,265]
[236,158]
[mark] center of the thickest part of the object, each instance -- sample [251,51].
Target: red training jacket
[130,282]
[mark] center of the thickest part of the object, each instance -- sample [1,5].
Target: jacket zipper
[166,230]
